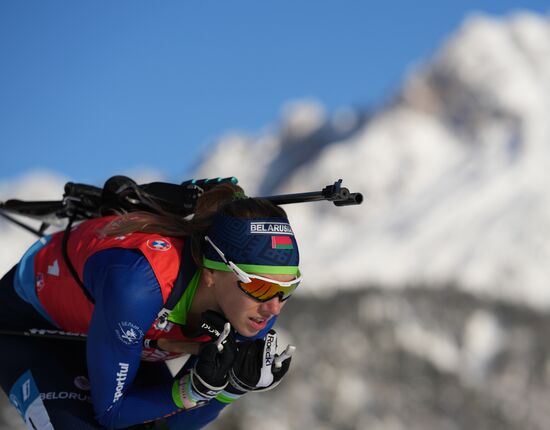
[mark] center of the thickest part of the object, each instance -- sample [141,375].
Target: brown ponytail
[228,199]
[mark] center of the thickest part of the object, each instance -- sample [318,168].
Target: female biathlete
[238,259]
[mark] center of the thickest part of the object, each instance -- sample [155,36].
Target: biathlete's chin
[246,331]
[249,327]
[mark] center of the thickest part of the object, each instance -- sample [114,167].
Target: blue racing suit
[123,390]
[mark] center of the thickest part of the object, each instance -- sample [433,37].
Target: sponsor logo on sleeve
[129,333]
[121,376]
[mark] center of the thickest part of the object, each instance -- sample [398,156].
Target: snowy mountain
[453,170]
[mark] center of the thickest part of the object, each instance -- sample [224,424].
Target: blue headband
[257,245]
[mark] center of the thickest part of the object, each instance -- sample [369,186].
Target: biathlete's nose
[272,307]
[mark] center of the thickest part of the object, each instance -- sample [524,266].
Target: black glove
[210,374]
[213,324]
[257,367]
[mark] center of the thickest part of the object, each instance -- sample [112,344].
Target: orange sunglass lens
[263,290]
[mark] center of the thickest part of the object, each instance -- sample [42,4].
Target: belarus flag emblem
[281,242]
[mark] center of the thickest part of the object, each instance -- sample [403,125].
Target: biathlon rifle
[121,194]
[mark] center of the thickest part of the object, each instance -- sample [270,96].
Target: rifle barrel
[296,198]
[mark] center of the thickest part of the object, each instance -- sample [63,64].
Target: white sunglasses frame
[245,277]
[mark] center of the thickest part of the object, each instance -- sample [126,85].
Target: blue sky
[89,89]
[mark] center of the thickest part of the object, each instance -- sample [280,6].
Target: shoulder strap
[186,272]
[69,264]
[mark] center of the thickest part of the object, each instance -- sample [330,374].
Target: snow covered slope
[454,171]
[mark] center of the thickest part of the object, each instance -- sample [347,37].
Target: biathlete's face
[247,315]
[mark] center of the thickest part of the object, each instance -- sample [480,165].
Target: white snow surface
[454,172]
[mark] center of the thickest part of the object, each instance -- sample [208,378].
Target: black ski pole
[21,224]
[45,334]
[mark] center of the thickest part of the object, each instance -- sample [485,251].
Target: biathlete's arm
[127,298]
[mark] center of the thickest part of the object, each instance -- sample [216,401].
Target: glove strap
[235,389]
[182,393]
[191,391]
[237,384]
[231,393]
[204,389]
[227,396]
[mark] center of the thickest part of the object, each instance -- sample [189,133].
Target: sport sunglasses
[259,288]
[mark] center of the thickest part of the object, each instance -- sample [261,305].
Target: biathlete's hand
[213,324]
[210,373]
[257,367]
